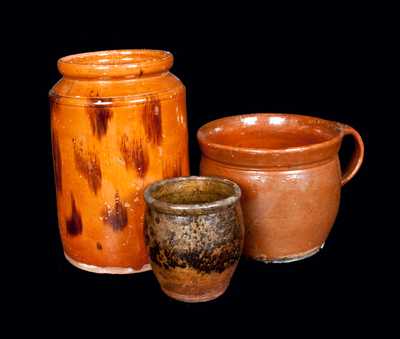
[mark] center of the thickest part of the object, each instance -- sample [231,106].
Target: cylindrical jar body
[118,123]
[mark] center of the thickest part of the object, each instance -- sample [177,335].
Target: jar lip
[192,208]
[115,63]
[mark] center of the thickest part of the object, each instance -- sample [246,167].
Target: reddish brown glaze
[99,117]
[74,222]
[116,216]
[288,169]
[135,155]
[87,163]
[118,120]
[152,120]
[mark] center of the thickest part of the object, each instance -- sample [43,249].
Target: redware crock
[288,169]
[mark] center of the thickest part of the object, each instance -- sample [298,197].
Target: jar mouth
[192,195]
[115,63]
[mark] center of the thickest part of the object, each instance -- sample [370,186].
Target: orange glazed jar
[118,123]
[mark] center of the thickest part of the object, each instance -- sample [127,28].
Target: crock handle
[356,158]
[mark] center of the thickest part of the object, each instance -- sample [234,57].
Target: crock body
[288,214]
[115,128]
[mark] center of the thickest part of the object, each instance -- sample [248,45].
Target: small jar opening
[192,193]
[115,63]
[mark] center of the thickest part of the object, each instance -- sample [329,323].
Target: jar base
[194,298]
[105,270]
[292,258]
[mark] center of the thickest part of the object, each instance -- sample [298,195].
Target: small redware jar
[118,123]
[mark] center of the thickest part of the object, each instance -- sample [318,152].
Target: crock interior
[269,131]
[193,191]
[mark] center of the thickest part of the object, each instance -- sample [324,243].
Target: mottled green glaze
[194,233]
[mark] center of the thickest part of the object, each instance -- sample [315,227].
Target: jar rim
[191,208]
[115,63]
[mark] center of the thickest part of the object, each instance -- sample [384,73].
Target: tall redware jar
[118,123]
[288,168]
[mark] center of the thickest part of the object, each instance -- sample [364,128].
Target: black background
[319,66]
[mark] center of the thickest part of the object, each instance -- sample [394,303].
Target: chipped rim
[191,208]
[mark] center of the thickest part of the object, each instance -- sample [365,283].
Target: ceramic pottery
[118,121]
[194,235]
[288,169]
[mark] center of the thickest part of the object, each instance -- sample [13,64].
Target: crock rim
[202,137]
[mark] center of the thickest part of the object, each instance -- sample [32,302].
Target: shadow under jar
[194,232]
[288,168]
[118,123]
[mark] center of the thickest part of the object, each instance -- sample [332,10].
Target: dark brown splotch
[99,246]
[88,164]
[135,155]
[152,120]
[208,243]
[99,116]
[117,215]
[57,162]
[172,168]
[74,223]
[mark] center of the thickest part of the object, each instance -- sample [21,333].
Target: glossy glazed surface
[288,169]
[118,123]
[195,235]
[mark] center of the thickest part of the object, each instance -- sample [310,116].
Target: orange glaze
[118,122]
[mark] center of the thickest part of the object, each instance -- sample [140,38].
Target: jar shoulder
[77,91]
